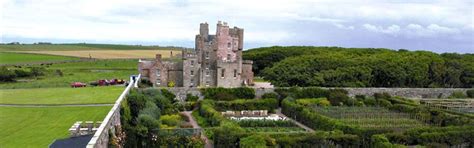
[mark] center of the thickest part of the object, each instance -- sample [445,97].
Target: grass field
[20,58]
[87,95]
[62,47]
[110,54]
[77,72]
[38,127]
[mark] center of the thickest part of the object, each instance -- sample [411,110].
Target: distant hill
[81,46]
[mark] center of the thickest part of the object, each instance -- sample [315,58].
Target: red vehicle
[78,84]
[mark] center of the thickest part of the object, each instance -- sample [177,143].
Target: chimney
[158,57]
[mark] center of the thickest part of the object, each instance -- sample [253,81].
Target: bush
[6,75]
[458,94]
[337,96]
[171,120]
[22,73]
[168,94]
[191,97]
[37,71]
[470,93]
[370,101]
[383,95]
[270,95]
[254,141]
[311,102]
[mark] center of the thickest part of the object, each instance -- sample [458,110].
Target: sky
[434,25]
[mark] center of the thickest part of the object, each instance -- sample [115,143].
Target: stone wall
[402,92]
[111,121]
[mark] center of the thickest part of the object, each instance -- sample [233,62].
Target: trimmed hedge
[266,123]
[454,135]
[227,94]
[206,110]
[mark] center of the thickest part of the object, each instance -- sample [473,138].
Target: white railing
[101,137]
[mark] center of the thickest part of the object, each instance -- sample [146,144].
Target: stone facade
[216,61]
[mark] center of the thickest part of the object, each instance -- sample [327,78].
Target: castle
[216,61]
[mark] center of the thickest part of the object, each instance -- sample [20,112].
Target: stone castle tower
[216,61]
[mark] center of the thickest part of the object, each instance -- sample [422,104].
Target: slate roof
[72,142]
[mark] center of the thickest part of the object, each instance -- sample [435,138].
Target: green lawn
[38,127]
[20,58]
[86,95]
[86,71]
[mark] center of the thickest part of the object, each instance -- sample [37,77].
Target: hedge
[453,135]
[227,94]
[206,110]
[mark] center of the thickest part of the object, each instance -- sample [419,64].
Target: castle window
[192,62]
[207,54]
[222,73]
[158,81]
[228,57]
[235,72]
[192,73]
[228,45]
[192,82]
[207,72]
[158,73]
[207,83]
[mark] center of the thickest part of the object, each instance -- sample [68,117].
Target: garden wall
[181,92]
[111,121]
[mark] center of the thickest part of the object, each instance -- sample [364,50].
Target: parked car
[78,84]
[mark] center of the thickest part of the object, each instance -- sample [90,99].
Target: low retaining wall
[112,120]
[181,92]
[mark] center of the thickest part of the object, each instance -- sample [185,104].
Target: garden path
[278,112]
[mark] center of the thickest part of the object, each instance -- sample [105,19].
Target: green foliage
[470,93]
[338,97]
[191,97]
[451,136]
[270,95]
[171,120]
[227,135]
[7,75]
[312,102]
[213,117]
[383,95]
[360,67]
[227,94]
[168,94]
[458,94]
[253,141]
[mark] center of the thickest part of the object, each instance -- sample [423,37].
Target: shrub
[337,96]
[224,96]
[470,93]
[6,75]
[254,141]
[270,95]
[311,102]
[37,71]
[383,95]
[458,94]
[171,120]
[22,73]
[370,101]
[191,97]
[360,97]
[168,94]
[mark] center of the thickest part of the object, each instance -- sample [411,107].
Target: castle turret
[204,30]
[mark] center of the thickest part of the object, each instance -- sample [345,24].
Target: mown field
[39,126]
[87,95]
[21,58]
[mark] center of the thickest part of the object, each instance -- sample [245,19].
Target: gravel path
[193,122]
[294,121]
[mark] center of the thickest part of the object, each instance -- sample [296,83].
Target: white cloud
[263,21]
[392,30]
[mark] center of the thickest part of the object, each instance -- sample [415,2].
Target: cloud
[291,21]
[392,30]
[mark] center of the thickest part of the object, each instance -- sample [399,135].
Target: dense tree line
[361,67]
